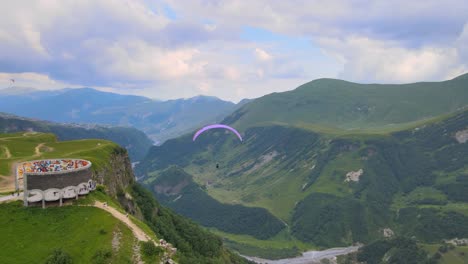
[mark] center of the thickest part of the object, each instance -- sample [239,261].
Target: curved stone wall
[48,167]
[55,180]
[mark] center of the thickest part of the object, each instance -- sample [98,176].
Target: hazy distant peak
[206,98]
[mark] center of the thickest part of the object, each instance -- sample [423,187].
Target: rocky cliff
[117,174]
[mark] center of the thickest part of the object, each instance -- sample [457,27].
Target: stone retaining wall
[56,180]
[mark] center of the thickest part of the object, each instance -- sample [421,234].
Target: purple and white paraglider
[199,132]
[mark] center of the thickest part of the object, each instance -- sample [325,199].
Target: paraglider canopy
[199,132]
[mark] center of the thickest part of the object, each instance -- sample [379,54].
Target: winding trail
[11,197]
[7,152]
[137,231]
[37,150]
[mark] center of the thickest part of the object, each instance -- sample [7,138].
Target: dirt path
[7,152]
[37,150]
[139,234]
[8,198]
[7,184]
[137,231]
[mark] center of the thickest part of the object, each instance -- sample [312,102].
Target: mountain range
[160,120]
[337,162]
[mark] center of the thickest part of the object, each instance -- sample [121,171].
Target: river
[309,257]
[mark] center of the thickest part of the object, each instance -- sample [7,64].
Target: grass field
[457,255]
[32,146]
[85,233]
[101,197]
[283,245]
[29,235]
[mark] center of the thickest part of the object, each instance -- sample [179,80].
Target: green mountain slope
[135,141]
[194,244]
[176,189]
[345,105]
[31,235]
[412,182]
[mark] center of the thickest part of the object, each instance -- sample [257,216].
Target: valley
[234,132]
[330,187]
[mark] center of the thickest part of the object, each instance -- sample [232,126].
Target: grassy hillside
[135,141]
[300,177]
[406,250]
[82,234]
[177,190]
[194,244]
[29,235]
[89,235]
[344,105]
[30,146]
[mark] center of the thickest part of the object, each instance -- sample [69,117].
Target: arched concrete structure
[83,188]
[52,194]
[91,185]
[69,192]
[34,196]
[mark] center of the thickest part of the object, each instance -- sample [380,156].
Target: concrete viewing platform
[54,180]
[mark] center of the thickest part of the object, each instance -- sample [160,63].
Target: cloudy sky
[231,49]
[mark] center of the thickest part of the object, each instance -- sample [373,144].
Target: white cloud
[334,17]
[232,73]
[416,41]
[373,60]
[138,60]
[262,55]
[32,80]
[133,47]
[204,87]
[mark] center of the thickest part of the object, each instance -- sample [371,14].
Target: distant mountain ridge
[160,120]
[345,105]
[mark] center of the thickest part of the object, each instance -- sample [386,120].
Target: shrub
[149,249]
[101,188]
[101,256]
[59,256]
[443,248]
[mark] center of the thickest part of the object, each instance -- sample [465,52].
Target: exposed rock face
[354,175]
[458,241]
[462,136]
[171,190]
[387,232]
[263,160]
[117,174]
